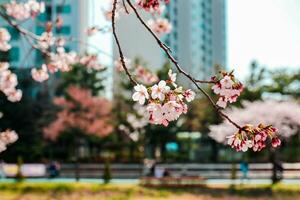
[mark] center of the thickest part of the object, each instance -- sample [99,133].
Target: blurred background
[109,139]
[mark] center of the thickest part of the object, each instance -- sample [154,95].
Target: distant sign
[33,170]
[27,170]
[172,146]
[10,170]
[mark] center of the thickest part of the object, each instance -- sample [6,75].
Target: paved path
[136,181]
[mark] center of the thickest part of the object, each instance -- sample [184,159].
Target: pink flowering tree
[165,101]
[81,111]
[283,114]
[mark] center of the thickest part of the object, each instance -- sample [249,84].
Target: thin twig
[125,7]
[118,43]
[179,68]
[208,82]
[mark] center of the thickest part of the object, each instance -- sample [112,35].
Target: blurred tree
[85,78]
[81,113]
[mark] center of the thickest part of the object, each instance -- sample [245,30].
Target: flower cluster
[228,89]
[46,40]
[160,26]
[7,137]
[8,83]
[164,104]
[91,62]
[40,75]
[22,11]
[145,76]
[4,38]
[140,73]
[151,5]
[92,30]
[61,60]
[254,138]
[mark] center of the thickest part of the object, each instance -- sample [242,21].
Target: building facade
[198,38]
[75,21]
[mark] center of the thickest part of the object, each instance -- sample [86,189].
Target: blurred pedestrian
[166,173]
[159,171]
[152,170]
[244,167]
[53,169]
[2,172]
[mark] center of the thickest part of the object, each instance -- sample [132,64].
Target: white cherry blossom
[159,91]
[141,94]
[41,74]
[4,38]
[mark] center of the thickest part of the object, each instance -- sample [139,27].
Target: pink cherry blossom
[159,91]
[285,115]
[160,26]
[189,95]
[226,82]
[165,104]
[145,76]
[119,66]
[61,61]
[19,11]
[92,31]
[4,38]
[172,77]
[8,83]
[40,75]
[46,40]
[141,94]
[7,137]
[91,61]
[59,21]
[228,89]
[35,7]
[24,10]
[91,116]
[14,95]
[151,5]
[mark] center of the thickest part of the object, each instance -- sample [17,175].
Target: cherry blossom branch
[125,7]
[179,68]
[27,34]
[118,43]
[18,28]
[208,82]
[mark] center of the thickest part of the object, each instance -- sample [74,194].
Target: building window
[44,17]
[40,30]
[65,30]
[39,59]
[66,9]
[13,32]
[4,56]
[14,54]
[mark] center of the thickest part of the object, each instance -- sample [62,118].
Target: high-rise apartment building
[198,38]
[75,21]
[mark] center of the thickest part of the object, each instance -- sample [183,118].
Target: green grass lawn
[81,191]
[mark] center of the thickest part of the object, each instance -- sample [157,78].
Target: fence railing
[133,171]
[209,171]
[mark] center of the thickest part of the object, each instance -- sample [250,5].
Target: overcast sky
[265,30]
